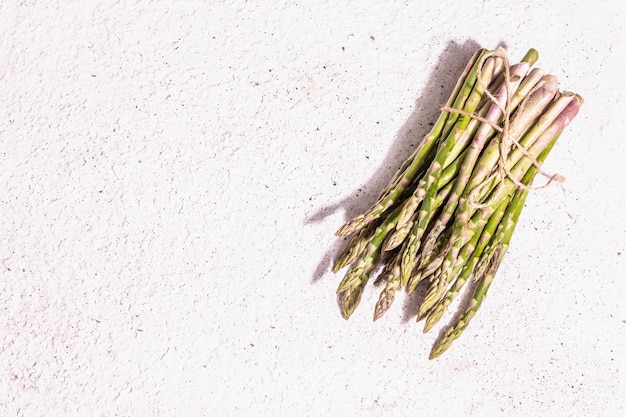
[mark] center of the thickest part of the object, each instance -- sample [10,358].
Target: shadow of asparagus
[425,111]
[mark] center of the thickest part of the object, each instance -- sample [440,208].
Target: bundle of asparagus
[449,213]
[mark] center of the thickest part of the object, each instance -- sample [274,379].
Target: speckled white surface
[172,176]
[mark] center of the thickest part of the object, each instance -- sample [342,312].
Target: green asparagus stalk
[358,241]
[517,72]
[354,247]
[503,237]
[429,262]
[479,295]
[393,284]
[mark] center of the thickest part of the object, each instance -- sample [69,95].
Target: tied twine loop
[507,139]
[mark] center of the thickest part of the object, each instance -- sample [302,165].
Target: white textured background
[172,175]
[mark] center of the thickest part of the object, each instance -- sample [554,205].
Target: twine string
[507,139]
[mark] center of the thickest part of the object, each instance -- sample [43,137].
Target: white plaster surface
[172,175]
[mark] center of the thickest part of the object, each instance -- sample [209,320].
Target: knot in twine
[507,140]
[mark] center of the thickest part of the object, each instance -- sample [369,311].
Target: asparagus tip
[343,230]
[434,354]
[421,315]
[430,322]
[382,305]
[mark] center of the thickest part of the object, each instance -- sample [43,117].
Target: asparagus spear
[351,287]
[539,96]
[429,262]
[518,91]
[354,247]
[479,295]
[393,284]
[513,152]
[503,238]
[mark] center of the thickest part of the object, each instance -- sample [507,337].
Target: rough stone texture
[172,174]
